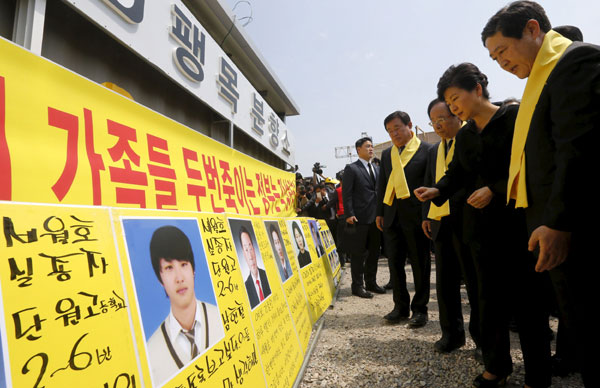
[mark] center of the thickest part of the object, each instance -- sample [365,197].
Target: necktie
[190,337]
[262,296]
[371,173]
[285,272]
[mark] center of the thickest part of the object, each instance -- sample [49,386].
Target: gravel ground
[357,348]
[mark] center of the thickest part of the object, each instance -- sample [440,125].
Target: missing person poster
[64,312]
[290,278]
[191,320]
[331,262]
[133,297]
[312,270]
[279,346]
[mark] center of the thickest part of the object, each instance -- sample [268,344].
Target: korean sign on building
[168,36]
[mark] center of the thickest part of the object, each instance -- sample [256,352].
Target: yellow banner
[334,267]
[65,314]
[138,297]
[199,284]
[67,140]
[292,284]
[311,255]
[279,346]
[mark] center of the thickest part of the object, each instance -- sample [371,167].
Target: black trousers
[577,295]
[453,259]
[333,224]
[509,285]
[400,242]
[362,244]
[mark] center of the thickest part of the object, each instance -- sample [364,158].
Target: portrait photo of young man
[179,313]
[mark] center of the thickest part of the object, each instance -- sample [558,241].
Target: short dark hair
[403,116]
[296,227]
[359,143]
[433,103]
[511,20]
[464,76]
[244,230]
[570,32]
[170,243]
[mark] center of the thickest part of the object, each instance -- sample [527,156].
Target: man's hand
[426,225]
[554,247]
[480,198]
[379,222]
[426,193]
[351,220]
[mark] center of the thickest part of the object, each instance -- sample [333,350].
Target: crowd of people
[502,198]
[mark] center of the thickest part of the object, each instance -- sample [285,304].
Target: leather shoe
[388,286]
[362,293]
[481,382]
[447,344]
[417,320]
[396,316]
[375,288]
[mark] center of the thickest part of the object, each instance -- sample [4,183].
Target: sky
[347,64]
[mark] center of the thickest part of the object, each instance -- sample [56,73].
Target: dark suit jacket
[482,159]
[359,193]
[250,287]
[408,211]
[456,201]
[561,147]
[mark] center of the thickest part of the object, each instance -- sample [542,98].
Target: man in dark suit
[399,216]
[444,225]
[257,284]
[554,148]
[359,194]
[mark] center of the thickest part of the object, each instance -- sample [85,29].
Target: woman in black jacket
[496,233]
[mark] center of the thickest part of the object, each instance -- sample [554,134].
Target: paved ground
[357,348]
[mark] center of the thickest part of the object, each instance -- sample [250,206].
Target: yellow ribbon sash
[552,49]
[441,165]
[397,185]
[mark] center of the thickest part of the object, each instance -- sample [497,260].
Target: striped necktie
[191,337]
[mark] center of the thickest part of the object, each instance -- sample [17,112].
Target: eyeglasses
[439,121]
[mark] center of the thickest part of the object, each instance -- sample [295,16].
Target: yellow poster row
[67,140]
[111,297]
